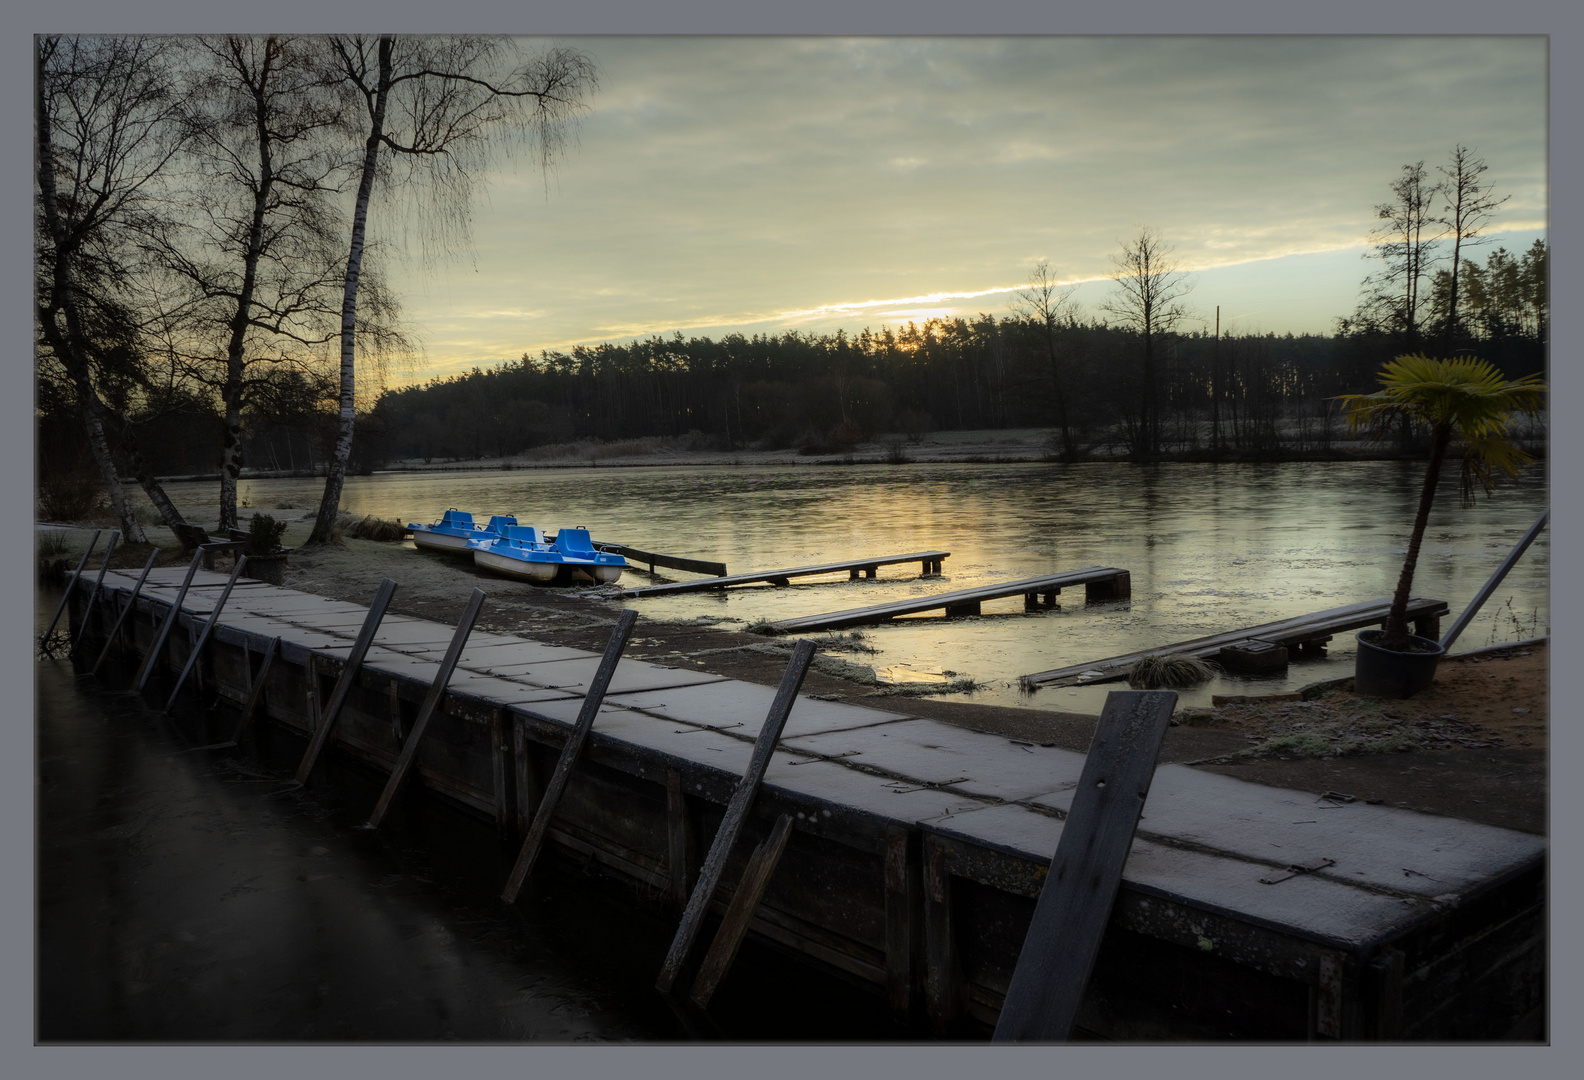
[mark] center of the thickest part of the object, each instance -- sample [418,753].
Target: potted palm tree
[1467,406]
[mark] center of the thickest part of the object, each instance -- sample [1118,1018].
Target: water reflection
[1210,547]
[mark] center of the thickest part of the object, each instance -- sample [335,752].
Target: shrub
[263,538]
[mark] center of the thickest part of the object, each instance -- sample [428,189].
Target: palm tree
[1463,401]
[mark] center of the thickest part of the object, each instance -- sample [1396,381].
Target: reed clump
[370,527]
[1170,671]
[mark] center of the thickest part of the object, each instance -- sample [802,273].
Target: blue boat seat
[458,519]
[523,534]
[500,522]
[575,542]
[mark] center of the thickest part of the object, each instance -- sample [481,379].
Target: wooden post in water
[131,605]
[1075,902]
[256,694]
[151,661]
[66,596]
[93,593]
[214,617]
[736,814]
[343,685]
[740,912]
[570,752]
[431,702]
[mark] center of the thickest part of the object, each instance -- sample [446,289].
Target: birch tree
[437,111]
[104,136]
[255,260]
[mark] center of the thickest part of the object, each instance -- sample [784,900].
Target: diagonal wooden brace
[736,814]
[570,752]
[343,685]
[409,750]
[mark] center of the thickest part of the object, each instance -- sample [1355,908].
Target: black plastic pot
[1388,673]
[270,568]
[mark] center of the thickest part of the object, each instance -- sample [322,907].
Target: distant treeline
[1251,395]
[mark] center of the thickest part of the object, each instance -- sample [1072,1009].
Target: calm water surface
[1210,548]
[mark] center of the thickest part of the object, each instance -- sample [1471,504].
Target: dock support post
[942,979]
[679,840]
[1074,904]
[203,636]
[501,772]
[1119,587]
[740,912]
[151,661]
[131,605]
[93,594]
[871,571]
[409,750]
[736,813]
[958,611]
[902,909]
[540,827]
[1428,626]
[70,588]
[349,672]
[527,782]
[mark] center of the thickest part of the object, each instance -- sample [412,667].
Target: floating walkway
[1300,631]
[929,560]
[916,850]
[1100,583]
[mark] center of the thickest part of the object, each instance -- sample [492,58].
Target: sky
[754,185]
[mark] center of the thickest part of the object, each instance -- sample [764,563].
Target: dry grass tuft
[1171,671]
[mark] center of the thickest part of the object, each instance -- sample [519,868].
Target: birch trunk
[335,470]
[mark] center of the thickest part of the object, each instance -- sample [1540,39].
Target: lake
[1210,547]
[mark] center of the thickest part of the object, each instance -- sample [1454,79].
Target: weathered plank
[131,605]
[431,702]
[676,840]
[93,594]
[1074,905]
[1288,632]
[1495,579]
[654,559]
[928,558]
[349,672]
[736,813]
[214,617]
[151,661]
[740,912]
[570,753]
[962,601]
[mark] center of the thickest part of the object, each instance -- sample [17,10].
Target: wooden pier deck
[917,848]
[930,561]
[1100,583]
[1300,630]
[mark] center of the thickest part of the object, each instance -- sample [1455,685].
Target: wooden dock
[916,849]
[929,560]
[654,559]
[1300,631]
[1100,583]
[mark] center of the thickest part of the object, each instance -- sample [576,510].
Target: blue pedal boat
[523,552]
[455,530]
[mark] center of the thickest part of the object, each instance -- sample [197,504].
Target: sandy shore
[1472,746]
